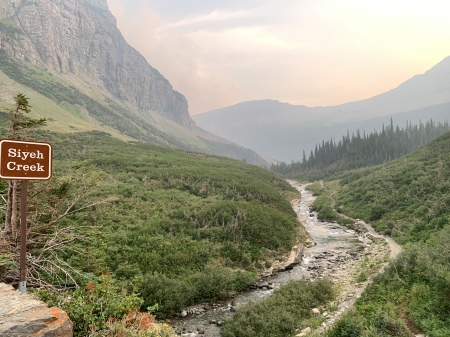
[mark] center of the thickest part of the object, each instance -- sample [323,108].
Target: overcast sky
[310,52]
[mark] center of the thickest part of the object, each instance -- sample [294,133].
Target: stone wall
[22,315]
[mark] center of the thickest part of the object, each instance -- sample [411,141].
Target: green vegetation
[104,309]
[409,199]
[411,295]
[110,114]
[383,322]
[331,157]
[173,229]
[324,204]
[180,228]
[288,310]
[90,308]
[71,107]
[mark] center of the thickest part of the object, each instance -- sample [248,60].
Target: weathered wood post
[24,160]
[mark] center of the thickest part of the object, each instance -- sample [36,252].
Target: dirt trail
[394,247]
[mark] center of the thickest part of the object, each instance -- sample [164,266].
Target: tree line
[361,150]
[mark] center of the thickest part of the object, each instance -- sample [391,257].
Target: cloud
[212,17]
[178,58]
[312,52]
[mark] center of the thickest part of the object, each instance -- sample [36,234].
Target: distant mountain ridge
[282,131]
[71,53]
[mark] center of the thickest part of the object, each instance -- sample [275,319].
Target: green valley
[151,226]
[179,228]
[407,199]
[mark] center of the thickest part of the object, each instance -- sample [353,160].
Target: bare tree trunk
[14,206]
[8,228]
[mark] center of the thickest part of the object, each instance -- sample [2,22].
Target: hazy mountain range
[73,63]
[282,131]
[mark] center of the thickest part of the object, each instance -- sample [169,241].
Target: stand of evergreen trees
[356,151]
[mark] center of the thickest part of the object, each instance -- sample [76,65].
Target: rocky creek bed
[346,257]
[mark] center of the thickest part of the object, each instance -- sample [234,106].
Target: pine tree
[354,151]
[18,127]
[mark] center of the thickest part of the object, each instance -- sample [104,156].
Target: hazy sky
[311,52]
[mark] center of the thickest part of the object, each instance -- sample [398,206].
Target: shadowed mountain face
[282,131]
[80,37]
[72,53]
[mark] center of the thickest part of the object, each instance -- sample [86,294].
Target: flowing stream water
[336,249]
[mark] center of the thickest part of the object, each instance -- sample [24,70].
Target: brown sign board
[23,160]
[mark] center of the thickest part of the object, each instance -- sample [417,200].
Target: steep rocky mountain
[282,131]
[70,53]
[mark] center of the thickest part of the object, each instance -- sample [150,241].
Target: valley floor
[347,257]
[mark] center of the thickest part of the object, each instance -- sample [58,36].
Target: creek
[336,254]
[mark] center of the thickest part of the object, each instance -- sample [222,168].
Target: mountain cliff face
[70,59]
[80,37]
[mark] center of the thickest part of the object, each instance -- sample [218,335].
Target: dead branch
[68,211]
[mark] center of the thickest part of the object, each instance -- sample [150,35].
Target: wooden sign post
[23,160]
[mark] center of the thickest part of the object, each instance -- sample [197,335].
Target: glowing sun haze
[310,52]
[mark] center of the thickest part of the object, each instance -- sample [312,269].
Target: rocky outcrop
[293,259]
[80,37]
[21,315]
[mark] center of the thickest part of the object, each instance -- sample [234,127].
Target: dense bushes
[170,294]
[324,204]
[94,307]
[383,323]
[409,199]
[178,225]
[288,309]
[214,282]
[416,285]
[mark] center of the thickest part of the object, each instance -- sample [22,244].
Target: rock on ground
[22,315]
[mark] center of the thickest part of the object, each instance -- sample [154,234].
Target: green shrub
[243,280]
[280,314]
[213,282]
[90,307]
[348,326]
[170,294]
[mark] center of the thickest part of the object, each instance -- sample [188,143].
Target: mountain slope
[408,199]
[283,131]
[72,53]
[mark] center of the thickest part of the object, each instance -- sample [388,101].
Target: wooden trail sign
[22,160]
